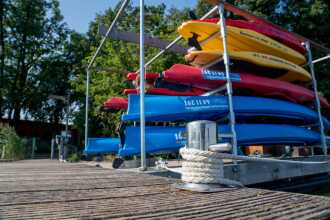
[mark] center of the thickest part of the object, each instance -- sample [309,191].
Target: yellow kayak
[238,39]
[292,72]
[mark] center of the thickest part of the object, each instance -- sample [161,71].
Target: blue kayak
[170,139]
[102,146]
[189,108]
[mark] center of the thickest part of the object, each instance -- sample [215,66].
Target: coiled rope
[203,167]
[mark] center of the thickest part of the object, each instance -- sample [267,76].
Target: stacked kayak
[115,103]
[97,146]
[190,108]
[171,139]
[272,102]
[207,34]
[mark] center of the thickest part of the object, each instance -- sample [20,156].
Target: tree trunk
[22,77]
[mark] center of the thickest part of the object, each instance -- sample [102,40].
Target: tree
[3,7]
[36,35]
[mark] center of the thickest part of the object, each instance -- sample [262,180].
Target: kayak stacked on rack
[271,99]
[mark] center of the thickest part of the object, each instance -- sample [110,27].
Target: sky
[79,13]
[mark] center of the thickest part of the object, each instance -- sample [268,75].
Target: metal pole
[321,59]
[317,98]
[214,9]
[142,73]
[3,154]
[67,116]
[229,84]
[52,149]
[33,147]
[87,106]
[125,3]
[122,7]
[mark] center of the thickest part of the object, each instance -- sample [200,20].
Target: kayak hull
[260,86]
[115,103]
[171,139]
[190,108]
[262,28]
[238,39]
[166,91]
[286,71]
[97,146]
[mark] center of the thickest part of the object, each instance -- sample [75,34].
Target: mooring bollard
[202,170]
[201,134]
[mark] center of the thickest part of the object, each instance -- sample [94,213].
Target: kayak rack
[229,87]
[220,7]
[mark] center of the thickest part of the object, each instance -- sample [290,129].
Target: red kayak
[115,103]
[149,76]
[270,31]
[254,85]
[165,91]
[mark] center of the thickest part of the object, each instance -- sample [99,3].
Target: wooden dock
[43,189]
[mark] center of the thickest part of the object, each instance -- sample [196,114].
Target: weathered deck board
[44,189]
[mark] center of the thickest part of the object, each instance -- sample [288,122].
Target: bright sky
[79,13]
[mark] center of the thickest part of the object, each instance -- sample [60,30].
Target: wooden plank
[44,189]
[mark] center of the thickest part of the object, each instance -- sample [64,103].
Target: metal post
[229,84]
[317,98]
[61,150]
[3,154]
[125,3]
[87,106]
[33,147]
[67,115]
[52,149]
[142,73]
[321,59]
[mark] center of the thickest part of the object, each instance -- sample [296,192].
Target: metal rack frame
[229,87]
[317,98]
[220,6]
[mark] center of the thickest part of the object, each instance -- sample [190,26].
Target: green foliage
[74,158]
[36,58]
[11,146]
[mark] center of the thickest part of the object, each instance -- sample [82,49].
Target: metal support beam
[228,84]
[87,106]
[317,98]
[142,73]
[321,59]
[123,6]
[148,40]
[220,89]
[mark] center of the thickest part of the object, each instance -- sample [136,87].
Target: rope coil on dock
[203,167]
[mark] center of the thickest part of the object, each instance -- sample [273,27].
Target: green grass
[74,158]
[11,145]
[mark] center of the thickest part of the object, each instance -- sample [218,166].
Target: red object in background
[263,28]
[115,103]
[149,76]
[259,86]
[165,91]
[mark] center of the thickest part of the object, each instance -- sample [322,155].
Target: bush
[11,145]
[74,158]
